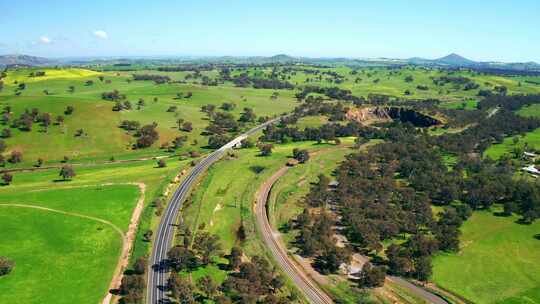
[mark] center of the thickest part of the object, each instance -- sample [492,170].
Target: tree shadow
[523,221]
[501,214]
[59,180]
[537,236]
[257,169]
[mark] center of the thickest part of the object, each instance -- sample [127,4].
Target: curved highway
[158,274]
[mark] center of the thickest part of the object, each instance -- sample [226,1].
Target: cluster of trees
[487,131]
[37,74]
[511,103]
[330,92]
[158,79]
[316,239]
[134,282]
[130,125]
[223,124]
[187,67]
[119,106]
[194,252]
[252,281]
[326,132]
[146,136]
[113,96]
[244,80]
[459,80]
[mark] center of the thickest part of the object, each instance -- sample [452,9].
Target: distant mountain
[282,58]
[24,60]
[449,61]
[455,60]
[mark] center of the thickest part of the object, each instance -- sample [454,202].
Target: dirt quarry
[369,115]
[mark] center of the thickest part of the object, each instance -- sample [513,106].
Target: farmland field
[497,263]
[67,253]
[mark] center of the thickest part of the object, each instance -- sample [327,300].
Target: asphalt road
[158,274]
[302,281]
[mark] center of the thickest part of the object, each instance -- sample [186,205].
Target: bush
[6,266]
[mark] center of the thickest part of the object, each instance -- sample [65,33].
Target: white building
[531,169]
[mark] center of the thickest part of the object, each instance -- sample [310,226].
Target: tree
[6,133]
[6,266]
[208,286]
[218,140]
[187,126]
[266,149]
[3,146]
[67,172]
[60,119]
[247,116]
[371,276]
[147,236]
[132,284]
[181,258]
[71,89]
[181,289]
[140,265]
[228,106]
[423,268]
[207,245]
[300,155]
[7,178]
[147,135]
[235,258]
[161,163]
[45,120]
[247,143]
[15,157]
[69,110]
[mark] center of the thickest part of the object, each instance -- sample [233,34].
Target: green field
[66,255]
[103,138]
[497,263]
[531,139]
[63,257]
[464,105]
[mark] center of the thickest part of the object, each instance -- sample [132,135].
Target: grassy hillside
[497,263]
[102,138]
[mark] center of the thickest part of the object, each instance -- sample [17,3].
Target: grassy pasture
[103,138]
[377,80]
[497,263]
[466,105]
[63,258]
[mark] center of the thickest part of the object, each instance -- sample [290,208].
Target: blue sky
[480,30]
